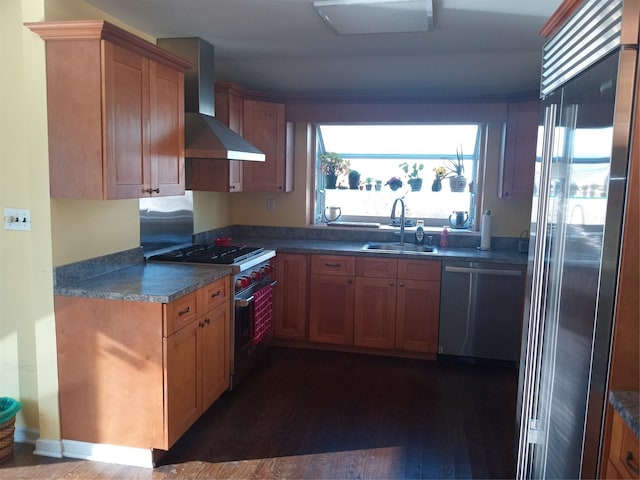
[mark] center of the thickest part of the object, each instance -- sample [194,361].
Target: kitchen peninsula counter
[126,276]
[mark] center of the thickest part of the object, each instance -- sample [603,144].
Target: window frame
[318,206]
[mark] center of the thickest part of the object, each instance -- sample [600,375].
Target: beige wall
[27,346]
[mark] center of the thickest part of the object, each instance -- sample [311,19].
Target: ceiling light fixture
[352,17]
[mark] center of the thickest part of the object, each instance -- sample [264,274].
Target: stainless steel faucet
[393,217]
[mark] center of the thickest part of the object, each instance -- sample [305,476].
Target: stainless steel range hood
[205,135]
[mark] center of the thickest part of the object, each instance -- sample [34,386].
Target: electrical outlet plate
[17,219]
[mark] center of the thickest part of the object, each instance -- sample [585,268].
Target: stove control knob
[256,275]
[246,281]
[238,284]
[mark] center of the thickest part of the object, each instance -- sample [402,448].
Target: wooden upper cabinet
[265,127]
[519,156]
[115,113]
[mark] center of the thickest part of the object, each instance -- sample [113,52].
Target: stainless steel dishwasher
[481,307]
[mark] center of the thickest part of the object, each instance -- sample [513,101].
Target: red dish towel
[262,307]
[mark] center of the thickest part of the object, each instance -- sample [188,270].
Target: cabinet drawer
[333,264]
[181,312]
[376,267]
[419,270]
[215,294]
[625,449]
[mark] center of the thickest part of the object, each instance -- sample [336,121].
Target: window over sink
[381,154]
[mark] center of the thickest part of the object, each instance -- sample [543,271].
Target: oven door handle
[245,302]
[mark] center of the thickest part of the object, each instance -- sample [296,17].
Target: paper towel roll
[485,232]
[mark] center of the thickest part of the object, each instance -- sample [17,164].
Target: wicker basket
[6,439]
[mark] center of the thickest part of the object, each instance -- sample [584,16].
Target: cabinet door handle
[391,283]
[401,284]
[349,281]
[207,321]
[186,310]
[216,294]
[201,324]
[327,264]
[153,190]
[628,459]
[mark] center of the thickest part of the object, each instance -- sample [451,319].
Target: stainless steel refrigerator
[588,90]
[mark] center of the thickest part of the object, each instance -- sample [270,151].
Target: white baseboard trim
[48,448]
[135,457]
[26,435]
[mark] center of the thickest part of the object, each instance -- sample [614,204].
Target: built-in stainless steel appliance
[252,310]
[589,94]
[481,310]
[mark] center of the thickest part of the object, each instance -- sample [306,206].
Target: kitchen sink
[409,248]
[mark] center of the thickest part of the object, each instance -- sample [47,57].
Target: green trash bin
[8,409]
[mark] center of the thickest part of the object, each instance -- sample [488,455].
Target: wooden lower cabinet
[290,297]
[397,304]
[383,303]
[418,316]
[624,451]
[138,374]
[331,302]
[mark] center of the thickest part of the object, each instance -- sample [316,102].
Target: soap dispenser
[420,232]
[444,237]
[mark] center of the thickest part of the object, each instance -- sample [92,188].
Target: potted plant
[368,183]
[394,183]
[457,181]
[354,179]
[440,173]
[378,185]
[415,182]
[332,165]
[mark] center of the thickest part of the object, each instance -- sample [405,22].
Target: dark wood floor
[311,414]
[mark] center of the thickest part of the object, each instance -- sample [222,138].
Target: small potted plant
[378,185]
[440,173]
[394,183]
[415,182]
[368,183]
[457,180]
[332,165]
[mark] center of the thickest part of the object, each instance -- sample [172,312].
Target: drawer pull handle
[186,310]
[628,459]
[327,264]
[216,294]
[201,324]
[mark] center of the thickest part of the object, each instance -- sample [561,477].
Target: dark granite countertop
[627,404]
[126,276]
[355,248]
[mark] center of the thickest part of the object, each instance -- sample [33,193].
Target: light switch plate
[17,219]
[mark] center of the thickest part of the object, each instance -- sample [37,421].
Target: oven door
[252,311]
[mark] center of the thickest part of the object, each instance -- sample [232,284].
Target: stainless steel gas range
[252,310]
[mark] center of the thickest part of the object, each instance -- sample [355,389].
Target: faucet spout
[402,218]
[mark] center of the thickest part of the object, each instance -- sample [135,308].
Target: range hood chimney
[205,135]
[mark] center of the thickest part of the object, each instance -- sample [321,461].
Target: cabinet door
[519,159]
[264,127]
[213,343]
[290,296]
[166,125]
[126,98]
[183,387]
[417,316]
[331,301]
[375,312]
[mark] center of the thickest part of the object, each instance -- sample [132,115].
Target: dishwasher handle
[489,271]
